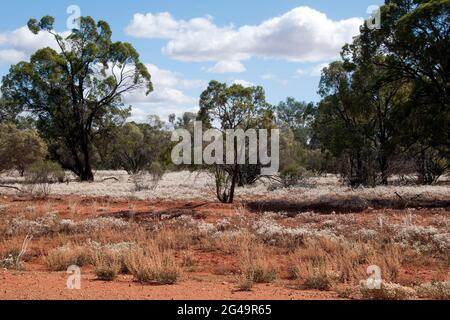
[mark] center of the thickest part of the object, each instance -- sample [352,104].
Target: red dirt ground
[37,283]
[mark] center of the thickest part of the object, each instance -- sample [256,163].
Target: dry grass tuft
[337,260]
[153,265]
[107,265]
[61,258]
[388,291]
[245,282]
[319,282]
[434,291]
[255,263]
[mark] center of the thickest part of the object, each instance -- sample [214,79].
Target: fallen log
[9,187]
[111,178]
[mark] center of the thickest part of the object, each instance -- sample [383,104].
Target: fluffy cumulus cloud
[19,44]
[228,67]
[168,97]
[11,56]
[300,35]
[244,83]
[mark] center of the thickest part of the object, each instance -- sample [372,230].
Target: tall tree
[357,120]
[76,92]
[414,45]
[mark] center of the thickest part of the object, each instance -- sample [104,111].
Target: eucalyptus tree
[234,107]
[75,92]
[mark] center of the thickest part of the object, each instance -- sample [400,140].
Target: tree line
[384,107]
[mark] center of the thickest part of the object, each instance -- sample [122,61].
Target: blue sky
[279,44]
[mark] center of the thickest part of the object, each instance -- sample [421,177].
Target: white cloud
[228,67]
[314,71]
[268,76]
[11,56]
[244,83]
[168,96]
[164,26]
[21,43]
[301,35]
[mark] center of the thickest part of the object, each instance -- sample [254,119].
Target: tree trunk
[384,170]
[233,184]
[86,175]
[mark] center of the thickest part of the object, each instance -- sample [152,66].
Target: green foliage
[292,175]
[8,111]
[44,172]
[19,148]
[297,161]
[76,94]
[297,116]
[357,120]
[138,146]
[402,68]
[234,107]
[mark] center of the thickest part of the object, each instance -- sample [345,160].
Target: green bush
[44,172]
[293,175]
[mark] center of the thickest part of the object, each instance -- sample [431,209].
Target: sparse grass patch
[332,259]
[255,263]
[434,291]
[245,282]
[61,258]
[174,238]
[153,265]
[319,282]
[107,265]
[188,261]
[14,258]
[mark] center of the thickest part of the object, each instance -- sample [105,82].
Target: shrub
[388,291]
[317,282]
[156,172]
[255,264]
[292,175]
[61,258]
[148,179]
[153,265]
[245,282]
[19,148]
[40,175]
[107,265]
[45,172]
[434,290]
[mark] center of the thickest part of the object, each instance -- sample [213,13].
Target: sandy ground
[89,201]
[37,285]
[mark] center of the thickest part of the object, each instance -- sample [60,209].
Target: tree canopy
[76,92]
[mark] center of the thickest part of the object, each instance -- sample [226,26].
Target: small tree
[230,108]
[137,146]
[19,148]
